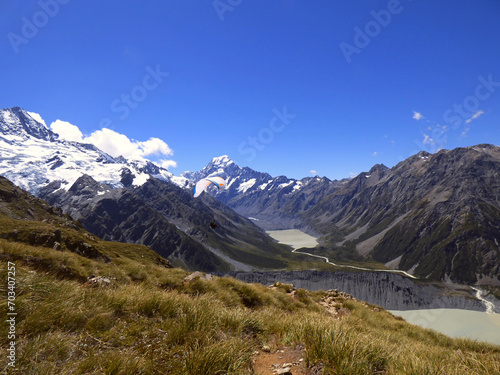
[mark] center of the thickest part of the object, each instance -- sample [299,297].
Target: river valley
[455,310]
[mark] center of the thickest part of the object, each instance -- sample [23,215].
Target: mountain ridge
[112,198]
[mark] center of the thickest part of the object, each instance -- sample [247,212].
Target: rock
[284,371]
[97,281]
[266,349]
[56,246]
[344,312]
[57,235]
[198,275]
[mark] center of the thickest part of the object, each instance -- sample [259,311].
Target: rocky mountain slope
[437,216]
[170,221]
[29,220]
[32,156]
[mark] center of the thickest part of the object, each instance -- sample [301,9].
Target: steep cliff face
[393,292]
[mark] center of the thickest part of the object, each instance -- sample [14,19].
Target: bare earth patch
[284,360]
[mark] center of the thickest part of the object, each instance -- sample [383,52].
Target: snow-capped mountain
[272,202]
[32,156]
[130,200]
[238,180]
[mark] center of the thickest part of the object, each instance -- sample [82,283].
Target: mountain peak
[378,168]
[223,160]
[18,122]
[220,165]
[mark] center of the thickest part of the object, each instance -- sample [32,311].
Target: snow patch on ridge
[32,156]
[246,185]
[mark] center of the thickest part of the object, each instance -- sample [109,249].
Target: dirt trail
[284,360]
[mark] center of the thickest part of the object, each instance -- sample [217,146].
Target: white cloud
[417,116]
[38,118]
[474,116]
[155,146]
[313,172]
[114,143]
[375,153]
[67,131]
[166,163]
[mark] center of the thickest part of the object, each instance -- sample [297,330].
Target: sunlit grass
[149,321]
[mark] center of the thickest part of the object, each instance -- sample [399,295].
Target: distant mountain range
[434,215]
[131,201]
[272,202]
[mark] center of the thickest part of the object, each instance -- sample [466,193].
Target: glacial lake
[475,325]
[293,237]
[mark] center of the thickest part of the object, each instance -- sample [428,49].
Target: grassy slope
[151,322]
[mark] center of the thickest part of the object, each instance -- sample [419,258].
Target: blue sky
[288,87]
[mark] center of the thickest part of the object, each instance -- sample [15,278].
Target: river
[298,239]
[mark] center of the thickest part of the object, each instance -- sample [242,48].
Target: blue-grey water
[476,325]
